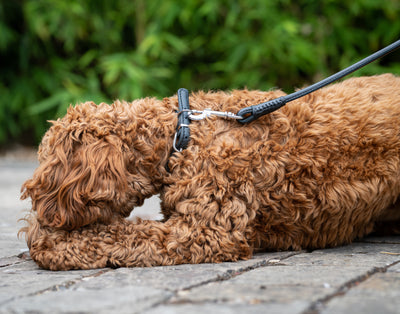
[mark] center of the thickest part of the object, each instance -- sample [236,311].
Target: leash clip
[198,115]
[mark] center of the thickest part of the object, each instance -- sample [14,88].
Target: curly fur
[317,173]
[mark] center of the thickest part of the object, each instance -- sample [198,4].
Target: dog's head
[88,171]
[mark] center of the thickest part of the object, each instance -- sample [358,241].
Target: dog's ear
[79,181]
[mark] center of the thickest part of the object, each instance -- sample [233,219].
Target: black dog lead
[253,112]
[249,114]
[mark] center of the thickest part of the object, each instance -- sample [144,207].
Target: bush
[54,53]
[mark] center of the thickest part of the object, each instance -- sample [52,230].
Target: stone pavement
[360,278]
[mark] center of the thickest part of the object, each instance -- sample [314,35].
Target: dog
[320,172]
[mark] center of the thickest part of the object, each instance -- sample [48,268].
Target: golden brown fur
[319,172]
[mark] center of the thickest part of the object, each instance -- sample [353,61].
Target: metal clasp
[202,114]
[174,144]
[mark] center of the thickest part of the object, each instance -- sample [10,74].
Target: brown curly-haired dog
[317,173]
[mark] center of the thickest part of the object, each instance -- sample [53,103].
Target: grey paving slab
[307,277]
[395,268]
[278,284]
[360,254]
[12,175]
[378,294]
[25,279]
[116,300]
[162,281]
[222,308]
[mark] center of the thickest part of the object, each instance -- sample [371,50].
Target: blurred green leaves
[54,53]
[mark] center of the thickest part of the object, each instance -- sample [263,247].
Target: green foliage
[54,53]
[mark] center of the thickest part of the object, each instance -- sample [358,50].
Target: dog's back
[319,172]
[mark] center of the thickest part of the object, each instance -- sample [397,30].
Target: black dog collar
[182,135]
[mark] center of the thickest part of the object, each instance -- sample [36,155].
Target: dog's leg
[126,244]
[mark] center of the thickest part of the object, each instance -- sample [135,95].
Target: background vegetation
[54,53]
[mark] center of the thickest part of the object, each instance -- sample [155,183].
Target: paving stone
[14,171]
[11,247]
[8,261]
[356,254]
[222,308]
[89,284]
[275,284]
[111,300]
[25,278]
[305,276]
[12,175]
[395,268]
[378,294]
